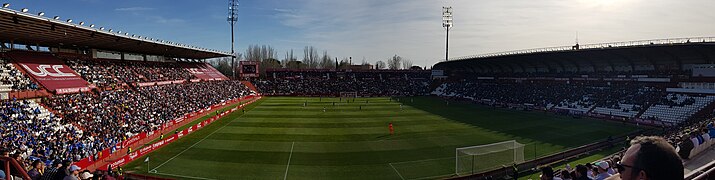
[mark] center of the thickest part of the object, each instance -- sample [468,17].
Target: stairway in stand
[250,86]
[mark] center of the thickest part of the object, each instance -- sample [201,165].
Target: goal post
[476,159]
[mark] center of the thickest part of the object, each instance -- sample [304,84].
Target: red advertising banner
[50,72]
[204,71]
[102,156]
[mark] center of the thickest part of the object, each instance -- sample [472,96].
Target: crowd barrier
[108,156]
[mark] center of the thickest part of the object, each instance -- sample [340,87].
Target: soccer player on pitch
[392,130]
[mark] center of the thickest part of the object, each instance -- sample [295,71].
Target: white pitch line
[176,175]
[289,157]
[398,172]
[182,152]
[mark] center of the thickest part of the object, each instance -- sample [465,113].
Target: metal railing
[668,41]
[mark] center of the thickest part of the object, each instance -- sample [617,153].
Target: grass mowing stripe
[181,176]
[345,124]
[425,131]
[341,131]
[162,164]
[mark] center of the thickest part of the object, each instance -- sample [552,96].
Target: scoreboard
[249,68]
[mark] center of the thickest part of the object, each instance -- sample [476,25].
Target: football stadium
[84,101]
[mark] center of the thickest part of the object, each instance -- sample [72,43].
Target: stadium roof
[657,54]
[21,27]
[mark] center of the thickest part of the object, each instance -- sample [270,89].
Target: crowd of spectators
[690,136]
[333,87]
[567,74]
[12,77]
[90,122]
[105,73]
[557,94]
[325,82]
[647,158]
[539,94]
[356,74]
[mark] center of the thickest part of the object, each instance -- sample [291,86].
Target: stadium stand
[90,122]
[114,72]
[332,83]
[13,79]
[676,108]
[624,100]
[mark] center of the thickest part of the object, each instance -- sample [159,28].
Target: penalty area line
[289,157]
[398,172]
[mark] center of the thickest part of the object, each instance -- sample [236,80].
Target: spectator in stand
[650,158]
[565,175]
[547,173]
[581,173]
[602,170]
[86,175]
[38,169]
[73,173]
[52,171]
[685,146]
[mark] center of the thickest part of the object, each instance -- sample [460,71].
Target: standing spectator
[650,158]
[38,169]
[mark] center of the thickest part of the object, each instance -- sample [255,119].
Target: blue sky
[378,29]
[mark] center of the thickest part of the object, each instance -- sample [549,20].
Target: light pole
[232,19]
[447,24]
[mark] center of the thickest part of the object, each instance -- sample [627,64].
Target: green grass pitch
[278,138]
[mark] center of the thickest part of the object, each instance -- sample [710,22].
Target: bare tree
[326,62]
[380,65]
[260,53]
[344,63]
[310,57]
[406,64]
[223,64]
[394,62]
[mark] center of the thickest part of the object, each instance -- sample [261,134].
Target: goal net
[476,159]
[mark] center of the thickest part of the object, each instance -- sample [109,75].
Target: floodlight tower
[232,19]
[447,24]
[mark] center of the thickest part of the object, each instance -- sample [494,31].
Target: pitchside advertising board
[249,68]
[51,73]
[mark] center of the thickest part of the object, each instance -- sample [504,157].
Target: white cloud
[164,20]
[378,29]
[134,9]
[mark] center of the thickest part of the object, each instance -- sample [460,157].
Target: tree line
[312,59]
